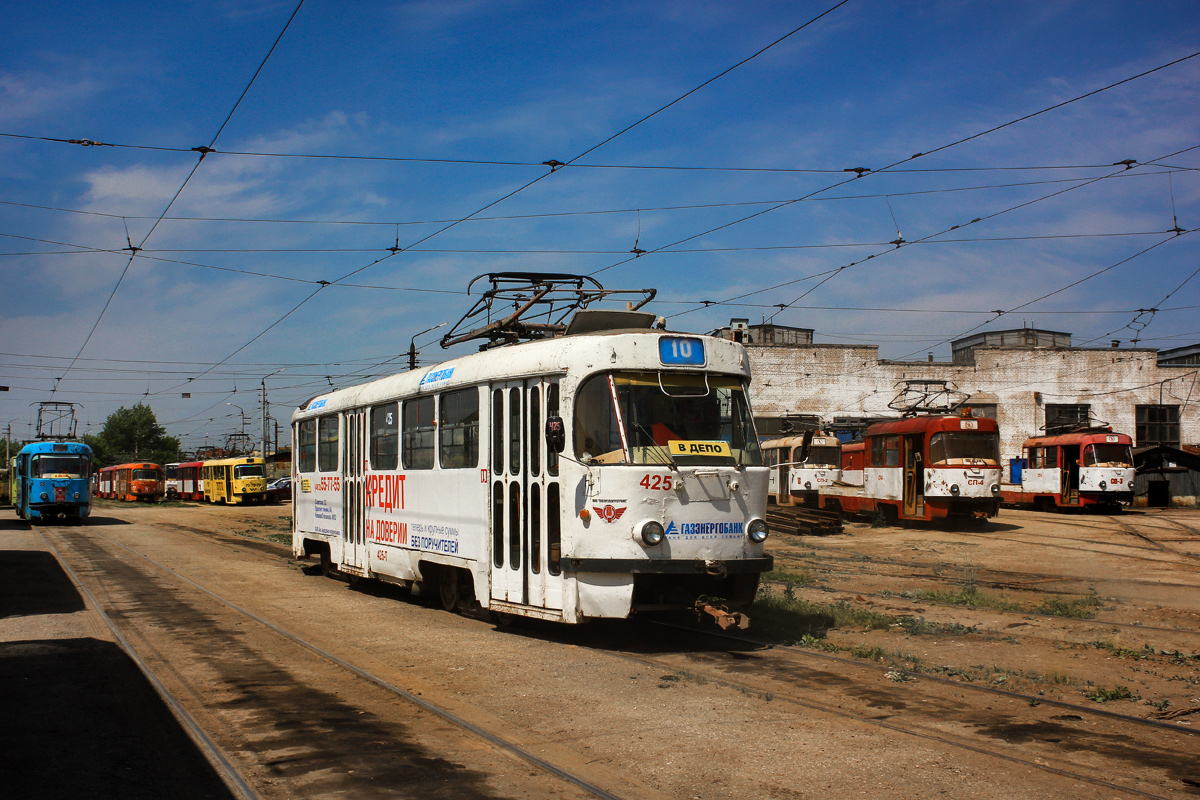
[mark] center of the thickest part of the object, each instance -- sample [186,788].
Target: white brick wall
[837,380]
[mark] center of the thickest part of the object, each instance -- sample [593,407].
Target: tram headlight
[808,485]
[995,488]
[1103,486]
[757,531]
[45,496]
[653,533]
[954,489]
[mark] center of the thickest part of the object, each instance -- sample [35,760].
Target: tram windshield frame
[654,408]
[243,471]
[1106,454]
[964,449]
[146,475]
[826,456]
[71,465]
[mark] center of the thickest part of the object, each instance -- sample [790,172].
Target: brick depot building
[1025,379]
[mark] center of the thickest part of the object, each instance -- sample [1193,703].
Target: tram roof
[582,354]
[1077,438]
[55,447]
[932,422]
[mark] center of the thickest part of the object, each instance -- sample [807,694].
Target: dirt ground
[883,639]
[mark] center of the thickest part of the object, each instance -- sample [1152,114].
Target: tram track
[848,695]
[160,671]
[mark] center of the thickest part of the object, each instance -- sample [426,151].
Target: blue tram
[52,479]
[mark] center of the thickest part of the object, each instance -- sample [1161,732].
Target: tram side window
[885,451]
[459,429]
[307,456]
[417,441]
[327,444]
[385,437]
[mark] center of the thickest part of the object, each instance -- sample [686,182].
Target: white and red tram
[1073,470]
[922,468]
[801,466]
[582,476]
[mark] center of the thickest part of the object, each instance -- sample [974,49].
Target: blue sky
[449,85]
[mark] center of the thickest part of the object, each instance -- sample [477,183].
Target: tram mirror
[556,434]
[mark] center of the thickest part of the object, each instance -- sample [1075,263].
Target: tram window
[418,433]
[535,527]
[498,432]
[307,457]
[552,411]
[498,523]
[327,444]
[514,525]
[535,433]
[74,466]
[885,451]
[385,437]
[553,530]
[1101,454]
[956,448]
[459,429]
[514,431]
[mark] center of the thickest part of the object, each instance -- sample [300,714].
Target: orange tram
[132,482]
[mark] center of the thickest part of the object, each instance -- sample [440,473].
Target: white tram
[594,474]
[801,466]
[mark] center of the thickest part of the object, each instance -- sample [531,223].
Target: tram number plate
[681,350]
[656,482]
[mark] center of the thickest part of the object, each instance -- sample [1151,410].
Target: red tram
[1087,467]
[922,468]
[130,482]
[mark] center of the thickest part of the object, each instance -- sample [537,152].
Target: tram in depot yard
[183,480]
[921,468]
[52,479]
[234,480]
[801,466]
[605,469]
[138,481]
[1088,467]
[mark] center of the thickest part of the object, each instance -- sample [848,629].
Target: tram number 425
[656,482]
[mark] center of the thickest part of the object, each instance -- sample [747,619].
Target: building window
[987,410]
[1157,425]
[1067,417]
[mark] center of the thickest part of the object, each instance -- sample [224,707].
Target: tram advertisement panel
[434,512]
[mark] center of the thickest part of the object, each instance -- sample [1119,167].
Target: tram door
[1069,474]
[353,546]
[524,495]
[788,454]
[914,477]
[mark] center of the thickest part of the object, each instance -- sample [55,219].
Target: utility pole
[266,414]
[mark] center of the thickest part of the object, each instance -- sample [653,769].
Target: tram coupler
[724,617]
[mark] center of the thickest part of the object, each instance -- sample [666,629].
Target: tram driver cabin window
[1157,425]
[327,444]
[307,456]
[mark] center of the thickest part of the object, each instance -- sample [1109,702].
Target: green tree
[133,434]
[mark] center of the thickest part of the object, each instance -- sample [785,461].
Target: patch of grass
[1123,652]
[1102,695]
[969,596]
[788,578]
[789,617]
[919,626]
[1073,608]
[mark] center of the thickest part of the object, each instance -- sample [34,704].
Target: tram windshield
[146,475]
[71,466]
[964,448]
[249,471]
[1107,455]
[828,457]
[653,409]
